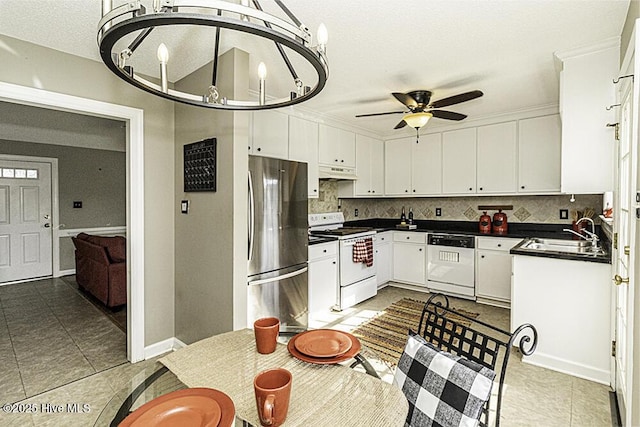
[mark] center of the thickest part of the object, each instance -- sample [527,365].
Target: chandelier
[123,30]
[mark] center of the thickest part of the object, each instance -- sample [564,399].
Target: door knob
[619,280]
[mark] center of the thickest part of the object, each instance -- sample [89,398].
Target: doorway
[133,118]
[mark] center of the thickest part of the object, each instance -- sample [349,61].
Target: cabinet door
[459,161]
[493,275]
[496,165]
[426,165]
[539,154]
[364,148]
[270,134]
[303,147]
[383,260]
[409,263]
[377,167]
[323,285]
[397,166]
[337,146]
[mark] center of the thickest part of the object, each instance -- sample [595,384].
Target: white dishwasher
[451,264]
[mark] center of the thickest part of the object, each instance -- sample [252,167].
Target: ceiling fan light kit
[417,120]
[134,18]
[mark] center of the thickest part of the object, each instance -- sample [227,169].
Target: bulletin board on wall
[200,166]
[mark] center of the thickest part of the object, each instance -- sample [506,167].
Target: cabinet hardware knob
[414,191]
[368,191]
[522,186]
[470,189]
[259,149]
[406,191]
[408,237]
[324,250]
[335,160]
[420,249]
[342,161]
[315,190]
[480,188]
[499,245]
[373,191]
[481,256]
[334,262]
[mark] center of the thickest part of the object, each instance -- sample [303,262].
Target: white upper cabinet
[539,154]
[369,168]
[496,165]
[426,165]
[337,147]
[397,166]
[586,90]
[269,134]
[459,161]
[303,147]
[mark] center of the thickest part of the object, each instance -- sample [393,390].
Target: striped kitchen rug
[386,334]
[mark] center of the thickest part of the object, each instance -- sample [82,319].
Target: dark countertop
[518,230]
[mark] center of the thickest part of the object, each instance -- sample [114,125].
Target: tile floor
[533,396]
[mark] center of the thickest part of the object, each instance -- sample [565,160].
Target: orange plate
[323,343]
[201,407]
[355,349]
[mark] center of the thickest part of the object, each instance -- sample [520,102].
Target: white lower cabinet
[493,270]
[383,257]
[410,258]
[323,278]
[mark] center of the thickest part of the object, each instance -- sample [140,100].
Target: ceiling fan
[421,109]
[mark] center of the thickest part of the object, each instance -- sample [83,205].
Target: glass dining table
[348,394]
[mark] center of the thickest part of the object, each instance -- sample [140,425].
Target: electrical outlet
[564,213]
[438,211]
[356,212]
[77,205]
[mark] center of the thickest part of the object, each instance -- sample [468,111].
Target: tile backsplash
[536,209]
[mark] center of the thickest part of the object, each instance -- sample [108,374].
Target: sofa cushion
[116,246]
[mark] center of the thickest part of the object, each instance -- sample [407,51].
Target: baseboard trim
[161,347]
[590,373]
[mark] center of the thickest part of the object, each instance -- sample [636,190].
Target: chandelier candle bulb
[262,75]
[163,57]
[323,37]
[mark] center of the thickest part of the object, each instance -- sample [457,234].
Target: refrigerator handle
[251,217]
[281,277]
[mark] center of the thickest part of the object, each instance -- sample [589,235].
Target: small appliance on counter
[500,222]
[484,226]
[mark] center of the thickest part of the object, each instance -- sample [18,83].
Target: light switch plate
[438,211]
[184,206]
[564,213]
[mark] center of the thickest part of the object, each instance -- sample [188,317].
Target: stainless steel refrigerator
[278,240]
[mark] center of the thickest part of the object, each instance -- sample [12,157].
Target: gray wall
[632,14]
[97,178]
[205,236]
[34,66]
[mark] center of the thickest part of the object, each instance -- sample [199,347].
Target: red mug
[266,331]
[273,390]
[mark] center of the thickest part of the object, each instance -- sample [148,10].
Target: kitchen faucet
[591,235]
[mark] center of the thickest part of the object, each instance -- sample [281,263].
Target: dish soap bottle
[410,216]
[403,217]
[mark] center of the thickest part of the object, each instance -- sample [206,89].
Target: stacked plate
[324,346]
[189,407]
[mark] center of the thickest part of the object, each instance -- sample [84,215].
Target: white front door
[25,220]
[623,251]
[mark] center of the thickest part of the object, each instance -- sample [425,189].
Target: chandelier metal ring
[112,28]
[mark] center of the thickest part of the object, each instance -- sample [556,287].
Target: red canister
[484,225]
[500,222]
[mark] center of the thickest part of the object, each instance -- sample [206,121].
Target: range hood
[337,172]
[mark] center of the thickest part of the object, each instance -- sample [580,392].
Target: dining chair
[467,355]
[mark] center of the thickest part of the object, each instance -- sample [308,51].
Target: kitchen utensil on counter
[266,331]
[500,222]
[273,390]
[484,225]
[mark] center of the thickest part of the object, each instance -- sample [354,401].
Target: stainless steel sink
[563,246]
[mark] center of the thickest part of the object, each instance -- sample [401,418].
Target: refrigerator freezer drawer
[284,296]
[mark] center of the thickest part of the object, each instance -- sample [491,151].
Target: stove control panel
[325,219]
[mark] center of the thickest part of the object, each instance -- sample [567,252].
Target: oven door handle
[351,242]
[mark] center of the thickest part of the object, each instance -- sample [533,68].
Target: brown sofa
[101,267]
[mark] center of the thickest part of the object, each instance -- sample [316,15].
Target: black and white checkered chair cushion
[442,389]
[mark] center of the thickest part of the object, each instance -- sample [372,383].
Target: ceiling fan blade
[406,100]
[401,125]
[447,115]
[381,114]
[456,99]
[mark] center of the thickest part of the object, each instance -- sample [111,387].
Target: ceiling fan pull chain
[417,135]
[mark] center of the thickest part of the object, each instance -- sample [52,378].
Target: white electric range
[357,280]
